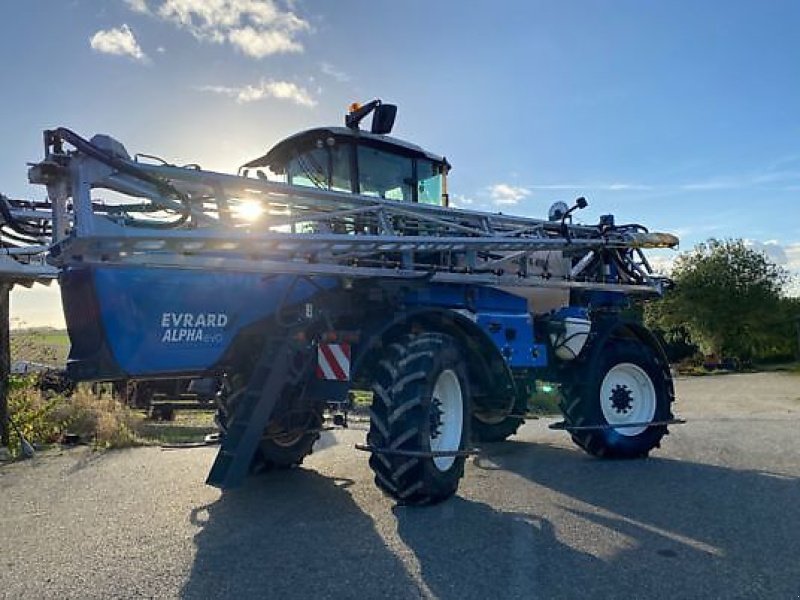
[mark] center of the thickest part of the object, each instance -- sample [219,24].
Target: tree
[729,298]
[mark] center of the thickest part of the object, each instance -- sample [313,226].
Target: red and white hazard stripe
[333,362]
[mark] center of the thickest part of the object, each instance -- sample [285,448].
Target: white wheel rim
[447,403]
[627,396]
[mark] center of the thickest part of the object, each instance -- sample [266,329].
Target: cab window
[341,180]
[309,169]
[429,182]
[326,168]
[385,175]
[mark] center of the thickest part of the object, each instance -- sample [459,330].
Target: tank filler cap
[110,146]
[557,211]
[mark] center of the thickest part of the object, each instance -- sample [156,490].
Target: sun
[248,210]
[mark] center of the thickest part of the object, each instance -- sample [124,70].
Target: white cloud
[774,251]
[713,184]
[608,187]
[793,264]
[282,90]
[793,256]
[139,6]
[784,255]
[260,43]
[257,28]
[661,263]
[503,193]
[119,41]
[331,71]
[777,175]
[460,201]
[619,187]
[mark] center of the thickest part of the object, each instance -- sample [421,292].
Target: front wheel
[629,387]
[420,404]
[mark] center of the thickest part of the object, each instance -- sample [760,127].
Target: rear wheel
[629,385]
[283,447]
[420,404]
[288,438]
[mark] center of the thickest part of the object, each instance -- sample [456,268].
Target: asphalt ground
[715,513]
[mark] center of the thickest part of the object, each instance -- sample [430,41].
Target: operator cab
[347,159]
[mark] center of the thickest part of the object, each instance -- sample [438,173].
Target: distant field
[43,345]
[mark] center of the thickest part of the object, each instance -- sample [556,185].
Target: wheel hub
[628,397]
[436,418]
[621,399]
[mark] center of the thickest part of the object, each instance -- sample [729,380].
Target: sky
[680,115]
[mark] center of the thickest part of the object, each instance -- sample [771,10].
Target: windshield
[381,174]
[385,175]
[326,168]
[309,169]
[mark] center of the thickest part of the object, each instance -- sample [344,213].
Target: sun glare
[248,210]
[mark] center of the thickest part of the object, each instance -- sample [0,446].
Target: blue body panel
[145,322]
[471,297]
[169,321]
[513,335]
[503,317]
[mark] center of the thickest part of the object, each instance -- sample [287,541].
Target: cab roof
[282,152]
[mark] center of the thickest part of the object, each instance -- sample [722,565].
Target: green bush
[34,414]
[545,400]
[99,420]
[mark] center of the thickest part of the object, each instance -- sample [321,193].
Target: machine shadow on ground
[679,530]
[291,534]
[299,534]
[691,530]
[467,549]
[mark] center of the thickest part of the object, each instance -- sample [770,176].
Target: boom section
[106,208]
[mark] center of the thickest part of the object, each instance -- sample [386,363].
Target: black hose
[19,226]
[635,226]
[623,267]
[123,166]
[18,238]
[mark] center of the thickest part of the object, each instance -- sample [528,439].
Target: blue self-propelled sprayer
[334,263]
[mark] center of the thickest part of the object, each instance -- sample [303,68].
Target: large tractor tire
[628,383]
[286,441]
[421,403]
[284,446]
[487,429]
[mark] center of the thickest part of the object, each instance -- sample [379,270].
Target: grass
[189,426]
[43,418]
[100,420]
[40,345]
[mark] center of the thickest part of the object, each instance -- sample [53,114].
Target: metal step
[241,440]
